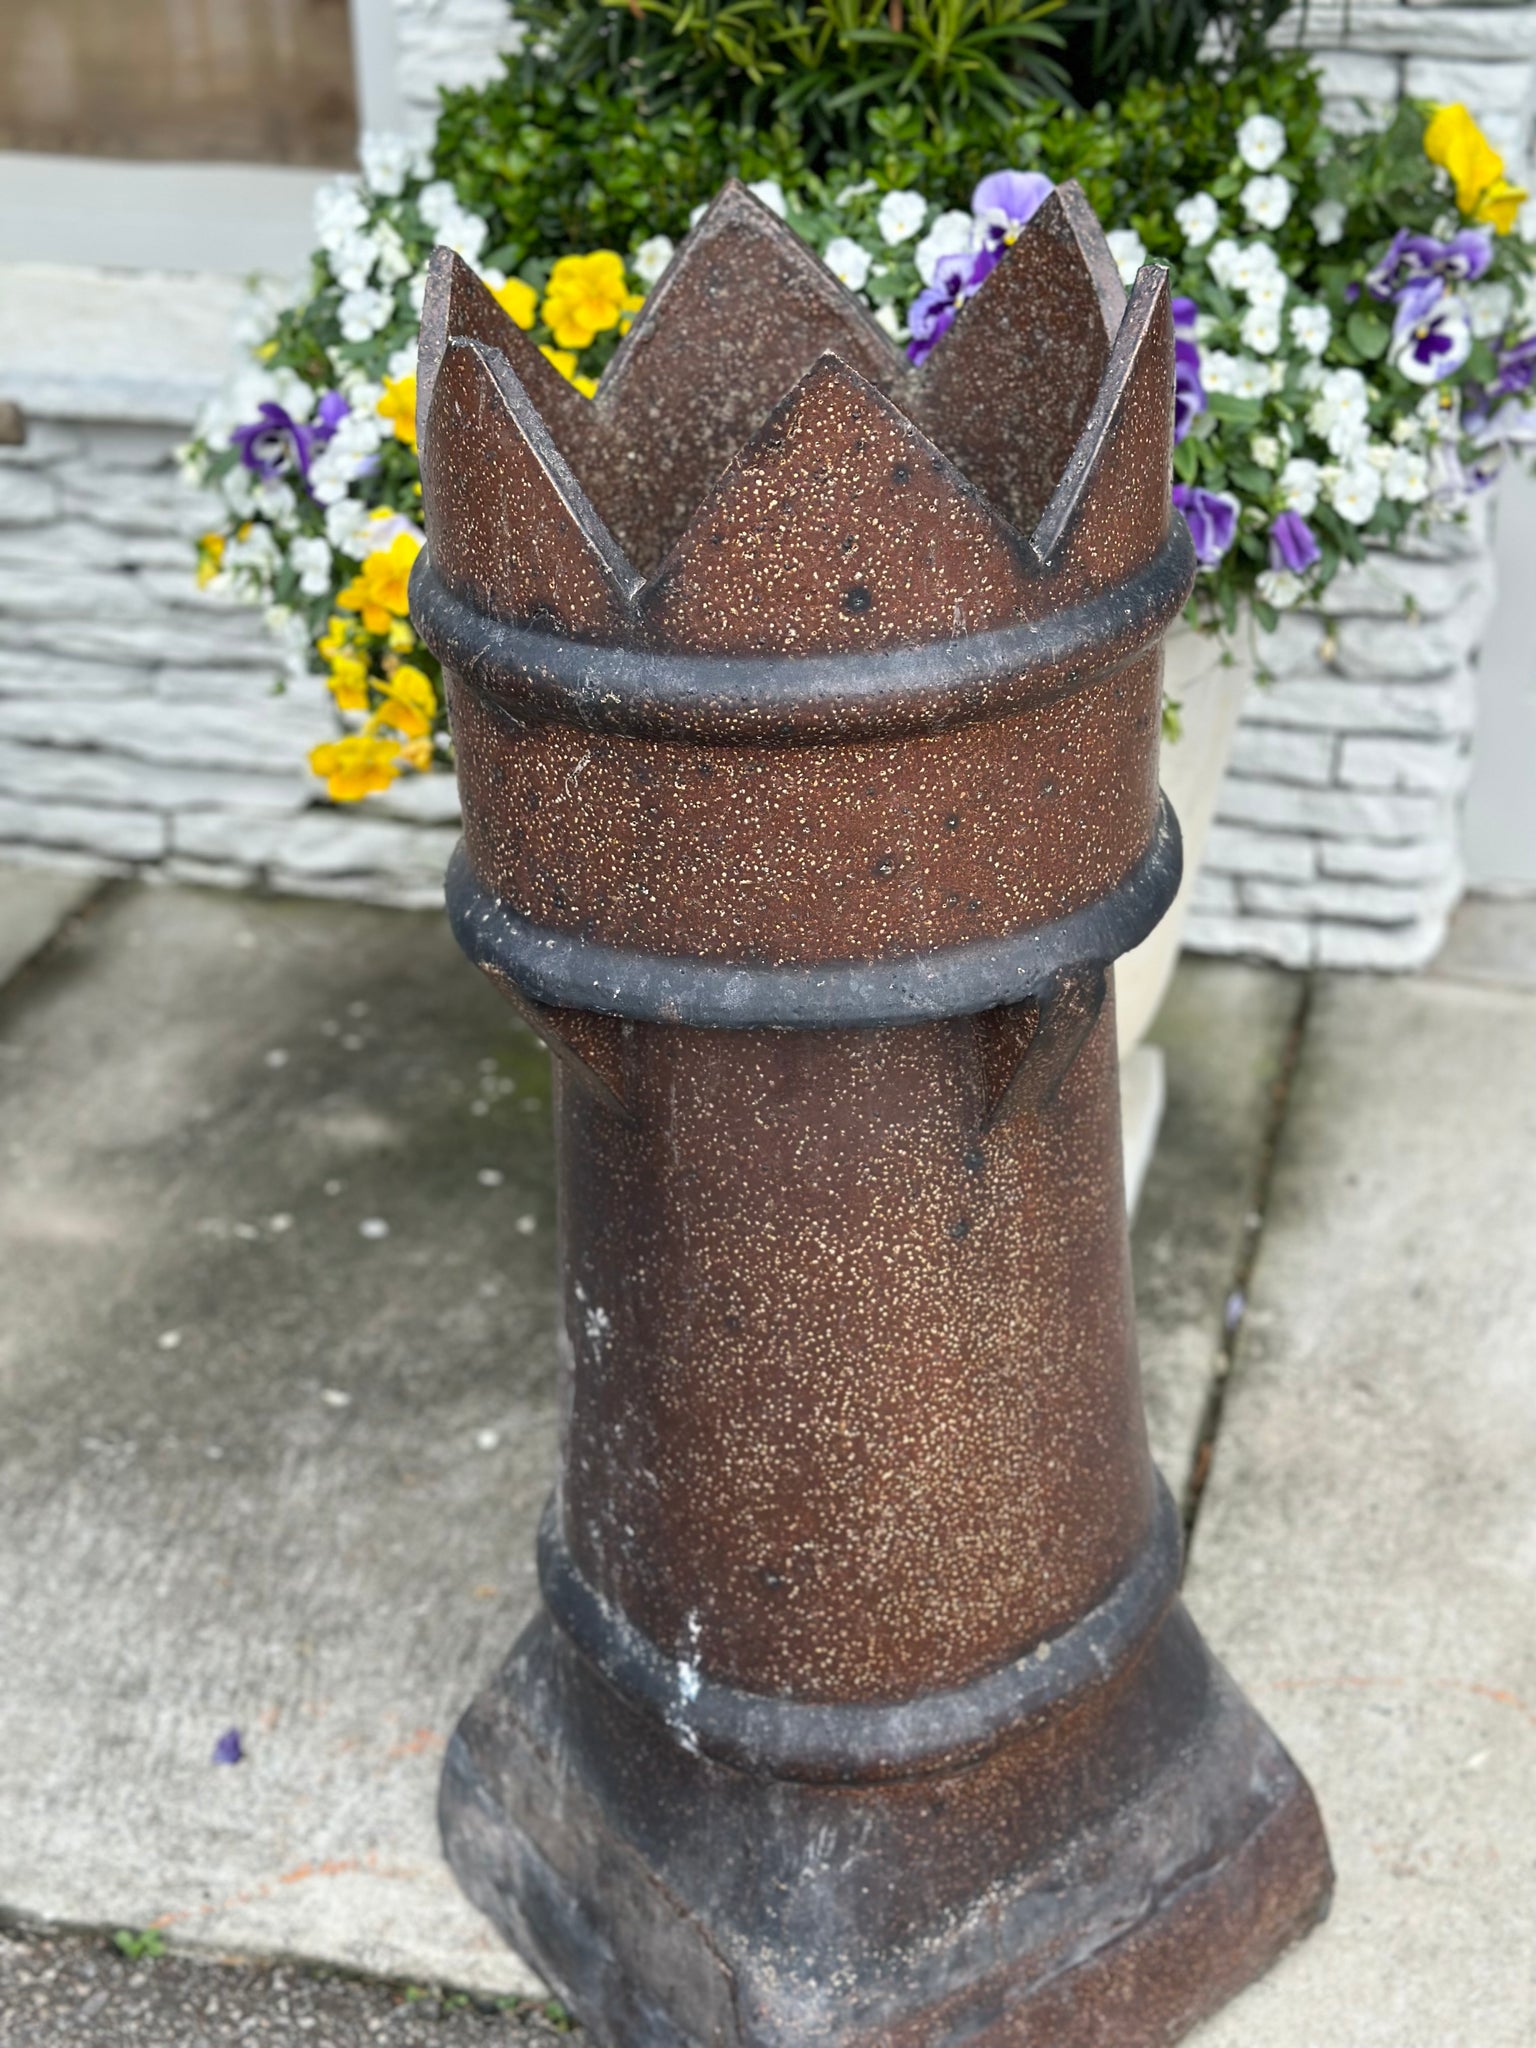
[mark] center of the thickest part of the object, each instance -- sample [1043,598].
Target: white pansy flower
[1224,259]
[1237,376]
[416,291]
[848,262]
[297,398]
[952,234]
[311,556]
[888,318]
[1406,477]
[1254,268]
[1328,217]
[771,193]
[464,233]
[1525,221]
[1265,450]
[899,216]
[237,487]
[1440,412]
[1198,218]
[274,499]
[1269,289]
[1355,491]
[352,261]
[1490,308]
[698,213]
[1261,142]
[1129,252]
[339,211]
[1260,330]
[386,159]
[851,192]
[363,313]
[402,361]
[1338,413]
[1280,587]
[1301,480]
[652,258]
[1274,376]
[437,202]
[345,521]
[1311,328]
[393,262]
[255,551]
[1267,200]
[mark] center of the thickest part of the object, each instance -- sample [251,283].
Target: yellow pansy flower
[565,363]
[337,636]
[519,301]
[356,766]
[1454,141]
[210,556]
[398,406]
[379,590]
[411,703]
[402,637]
[587,295]
[417,753]
[349,682]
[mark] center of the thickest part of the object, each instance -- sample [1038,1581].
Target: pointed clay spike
[742,313]
[457,307]
[1111,511]
[1006,393]
[508,525]
[838,526]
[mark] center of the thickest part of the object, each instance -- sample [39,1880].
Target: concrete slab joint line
[781,1757]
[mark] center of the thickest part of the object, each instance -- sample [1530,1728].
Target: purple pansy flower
[1517,367]
[1188,391]
[1211,517]
[1007,201]
[1410,258]
[229,1749]
[932,312]
[1293,544]
[275,442]
[1431,336]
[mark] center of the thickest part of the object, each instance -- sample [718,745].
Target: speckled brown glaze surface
[807,716]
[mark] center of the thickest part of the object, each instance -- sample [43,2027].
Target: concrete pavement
[276,1420]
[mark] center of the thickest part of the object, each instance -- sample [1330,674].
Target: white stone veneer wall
[1336,839]
[139,728]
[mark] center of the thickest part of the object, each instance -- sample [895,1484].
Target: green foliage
[1109,44]
[621,115]
[591,165]
[139,1947]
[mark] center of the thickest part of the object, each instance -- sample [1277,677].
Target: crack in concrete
[1235,1303]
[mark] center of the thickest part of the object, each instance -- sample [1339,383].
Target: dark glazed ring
[834,1743]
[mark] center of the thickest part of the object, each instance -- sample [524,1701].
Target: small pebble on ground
[82,1991]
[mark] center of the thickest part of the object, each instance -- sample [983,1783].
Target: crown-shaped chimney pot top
[744,311]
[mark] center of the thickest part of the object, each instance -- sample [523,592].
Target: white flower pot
[1207,676]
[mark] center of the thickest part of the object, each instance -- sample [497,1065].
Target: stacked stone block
[141,729]
[1336,840]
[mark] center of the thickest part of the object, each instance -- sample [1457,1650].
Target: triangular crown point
[489,462]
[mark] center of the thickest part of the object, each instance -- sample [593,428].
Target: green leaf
[1245,412]
[1368,334]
